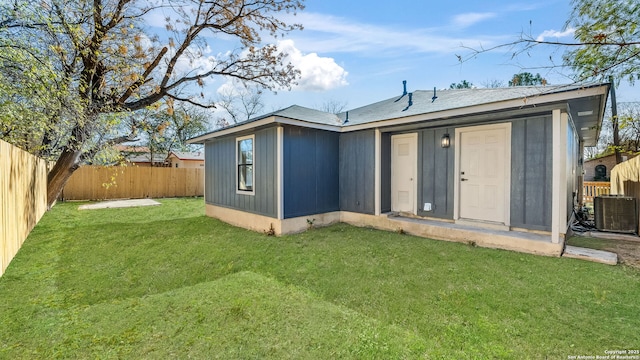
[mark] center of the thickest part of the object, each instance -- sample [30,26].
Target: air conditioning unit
[616,213]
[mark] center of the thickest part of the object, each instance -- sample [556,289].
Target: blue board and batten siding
[310,173]
[326,171]
[531,177]
[385,172]
[357,171]
[531,164]
[220,181]
[435,173]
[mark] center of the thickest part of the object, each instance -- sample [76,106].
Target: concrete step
[604,257]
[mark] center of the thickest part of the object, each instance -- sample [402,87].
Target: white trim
[253,180]
[414,170]
[507,174]
[507,167]
[559,175]
[564,124]
[456,174]
[262,122]
[378,163]
[280,171]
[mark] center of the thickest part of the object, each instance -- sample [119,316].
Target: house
[180,159]
[494,167]
[140,155]
[599,169]
[145,160]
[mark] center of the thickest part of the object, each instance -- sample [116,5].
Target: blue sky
[359,51]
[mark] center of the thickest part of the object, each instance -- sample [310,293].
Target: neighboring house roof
[131,148]
[183,155]
[586,106]
[146,158]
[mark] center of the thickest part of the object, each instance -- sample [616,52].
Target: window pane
[245,164]
[245,151]
[245,177]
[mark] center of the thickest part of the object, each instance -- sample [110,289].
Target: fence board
[592,189]
[132,182]
[23,198]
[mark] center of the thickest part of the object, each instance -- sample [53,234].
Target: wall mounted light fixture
[445,141]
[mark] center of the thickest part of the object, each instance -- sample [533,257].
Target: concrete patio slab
[119,204]
[600,256]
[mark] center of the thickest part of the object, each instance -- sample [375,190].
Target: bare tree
[493,83]
[240,103]
[333,106]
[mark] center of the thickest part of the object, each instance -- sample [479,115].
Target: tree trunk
[66,164]
[614,119]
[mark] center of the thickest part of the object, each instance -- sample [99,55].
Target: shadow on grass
[102,263]
[221,317]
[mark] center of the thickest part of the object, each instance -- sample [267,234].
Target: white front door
[404,165]
[483,173]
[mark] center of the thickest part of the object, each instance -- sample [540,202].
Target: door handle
[464,179]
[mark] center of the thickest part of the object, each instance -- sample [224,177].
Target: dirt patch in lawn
[626,246]
[628,251]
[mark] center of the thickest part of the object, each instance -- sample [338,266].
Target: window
[244,161]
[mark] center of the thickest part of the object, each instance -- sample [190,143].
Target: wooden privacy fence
[591,189]
[23,198]
[132,182]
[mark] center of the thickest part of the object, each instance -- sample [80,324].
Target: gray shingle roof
[398,107]
[309,115]
[447,99]
[297,112]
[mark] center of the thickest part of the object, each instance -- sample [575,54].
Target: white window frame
[253,180]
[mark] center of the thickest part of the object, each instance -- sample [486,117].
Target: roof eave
[260,123]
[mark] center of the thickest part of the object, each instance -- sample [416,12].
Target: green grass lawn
[168,282]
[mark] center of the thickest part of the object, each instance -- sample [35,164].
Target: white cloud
[193,61]
[325,34]
[316,73]
[468,19]
[555,34]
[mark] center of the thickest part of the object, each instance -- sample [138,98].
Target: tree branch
[187,100]
[133,87]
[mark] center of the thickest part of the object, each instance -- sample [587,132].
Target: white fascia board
[307,124]
[232,130]
[521,102]
[262,122]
